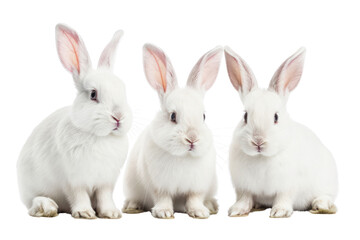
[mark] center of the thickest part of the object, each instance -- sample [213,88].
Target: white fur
[73,158]
[293,167]
[162,173]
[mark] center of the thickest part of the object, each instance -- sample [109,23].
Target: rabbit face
[100,106]
[180,127]
[261,132]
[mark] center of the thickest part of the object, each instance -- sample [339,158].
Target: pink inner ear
[68,48]
[107,56]
[210,70]
[204,73]
[293,75]
[288,75]
[161,68]
[233,71]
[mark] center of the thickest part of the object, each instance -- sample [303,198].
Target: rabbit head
[100,106]
[264,129]
[179,128]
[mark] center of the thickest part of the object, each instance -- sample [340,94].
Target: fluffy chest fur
[88,159]
[176,175]
[304,167]
[259,176]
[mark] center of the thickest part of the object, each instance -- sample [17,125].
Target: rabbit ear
[72,51]
[204,73]
[288,75]
[158,70]
[108,55]
[240,74]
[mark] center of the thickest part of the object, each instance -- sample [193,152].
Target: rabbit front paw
[240,209]
[84,213]
[110,213]
[199,212]
[281,212]
[43,207]
[164,213]
[323,205]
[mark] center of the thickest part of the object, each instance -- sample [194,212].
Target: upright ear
[72,51]
[158,70]
[108,55]
[204,73]
[288,75]
[240,74]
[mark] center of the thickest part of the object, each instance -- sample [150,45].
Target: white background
[34,84]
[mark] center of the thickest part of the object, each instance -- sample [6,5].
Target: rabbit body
[304,168]
[58,158]
[72,159]
[274,161]
[172,164]
[151,168]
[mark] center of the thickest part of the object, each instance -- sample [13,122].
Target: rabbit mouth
[191,148]
[259,150]
[117,126]
[259,145]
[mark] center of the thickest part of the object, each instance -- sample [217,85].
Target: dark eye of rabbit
[93,95]
[204,116]
[245,117]
[276,118]
[173,117]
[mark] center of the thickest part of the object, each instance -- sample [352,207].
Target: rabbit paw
[240,209]
[111,214]
[84,213]
[164,213]
[212,205]
[280,212]
[200,212]
[43,207]
[323,205]
[132,207]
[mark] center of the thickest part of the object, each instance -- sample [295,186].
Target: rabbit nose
[191,137]
[257,143]
[115,118]
[257,140]
[116,112]
[191,141]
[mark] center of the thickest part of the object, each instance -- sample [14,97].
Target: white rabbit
[274,161]
[172,164]
[72,160]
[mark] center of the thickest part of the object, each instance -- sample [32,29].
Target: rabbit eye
[93,95]
[173,117]
[245,117]
[204,116]
[276,118]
